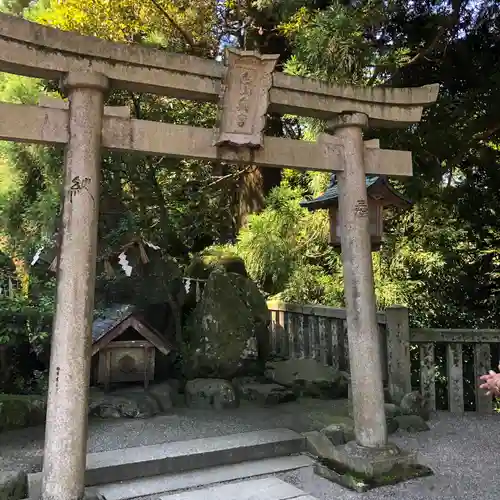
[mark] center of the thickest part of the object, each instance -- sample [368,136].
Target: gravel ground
[462,451]
[23,449]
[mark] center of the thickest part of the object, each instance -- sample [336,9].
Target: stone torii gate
[246,89]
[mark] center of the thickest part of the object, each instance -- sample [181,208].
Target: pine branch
[234,175]
[188,38]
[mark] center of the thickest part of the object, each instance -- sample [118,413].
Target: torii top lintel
[34,50]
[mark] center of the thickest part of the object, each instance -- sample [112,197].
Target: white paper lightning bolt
[127,268]
[36,256]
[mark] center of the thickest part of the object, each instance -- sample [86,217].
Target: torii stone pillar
[67,407]
[364,346]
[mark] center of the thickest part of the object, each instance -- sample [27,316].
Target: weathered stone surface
[211,393]
[50,126]
[335,433]
[392,410]
[340,431]
[265,394]
[18,411]
[202,265]
[145,69]
[388,401]
[414,404]
[309,377]
[371,461]
[13,485]
[165,394]
[242,118]
[318,444]
[411,423]
[228,330]
[125,403]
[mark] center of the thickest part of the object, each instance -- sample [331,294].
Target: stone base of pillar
[361,469]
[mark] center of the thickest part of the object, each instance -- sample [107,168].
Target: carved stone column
[66,427]
[364,345]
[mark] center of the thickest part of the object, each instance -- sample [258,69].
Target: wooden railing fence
[311,331]
[319,332]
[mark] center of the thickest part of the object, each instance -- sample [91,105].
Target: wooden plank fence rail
[454,340]
[320,332]
[313,331]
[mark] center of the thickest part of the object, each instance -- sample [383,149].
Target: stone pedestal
[67,405]
[361,468]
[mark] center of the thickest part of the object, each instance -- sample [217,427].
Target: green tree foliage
[441,257]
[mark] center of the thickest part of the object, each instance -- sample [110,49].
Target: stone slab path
[256,489]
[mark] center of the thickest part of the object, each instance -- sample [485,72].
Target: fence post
[398,352]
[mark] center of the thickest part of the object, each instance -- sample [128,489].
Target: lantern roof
[377,187]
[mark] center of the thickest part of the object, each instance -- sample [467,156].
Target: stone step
[181,456]
[169,483]
[256,489]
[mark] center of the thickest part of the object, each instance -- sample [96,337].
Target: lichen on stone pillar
[362,326]
[67,407]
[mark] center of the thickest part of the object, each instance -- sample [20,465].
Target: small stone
[164,393]
[265,394]
[413,403]
[211,393]
[335,433]
[412,423]
[124,403]
[392,410]
[340,431]
[13,485]
[318,444]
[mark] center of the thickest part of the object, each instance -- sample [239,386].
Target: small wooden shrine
[380,195]
[125,346]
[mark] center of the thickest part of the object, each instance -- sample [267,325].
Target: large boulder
[204,394]
[309,377]
[228,331]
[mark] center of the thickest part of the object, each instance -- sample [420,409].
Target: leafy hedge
[24,344]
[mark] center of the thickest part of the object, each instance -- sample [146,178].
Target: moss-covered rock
[211,393]
[228,331]
[202,266]
[414,403]
[13,485]
[19,411]
[340,430]
[310,378]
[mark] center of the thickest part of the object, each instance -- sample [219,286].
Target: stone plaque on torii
[246,90]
